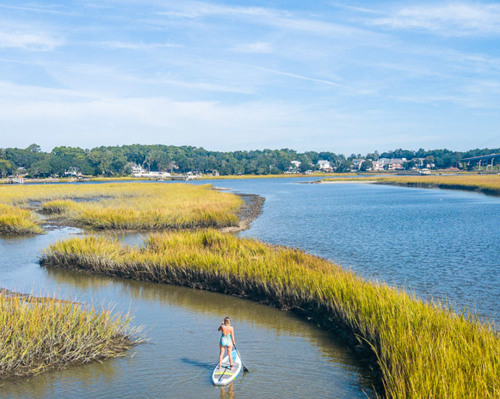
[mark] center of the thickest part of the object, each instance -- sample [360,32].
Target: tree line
[118,160]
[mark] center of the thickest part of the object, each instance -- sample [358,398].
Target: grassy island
[118,206]
[487,184]
[39,334]
[418,349]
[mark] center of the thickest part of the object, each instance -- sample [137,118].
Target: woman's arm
[220,328]
[232,335]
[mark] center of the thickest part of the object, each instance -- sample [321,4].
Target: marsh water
[437,242]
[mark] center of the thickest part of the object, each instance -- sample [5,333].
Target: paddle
[220,378]
[244,368]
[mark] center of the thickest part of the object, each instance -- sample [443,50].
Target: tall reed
[39,334]
[421,350]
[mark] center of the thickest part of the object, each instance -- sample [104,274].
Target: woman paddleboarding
[226,341]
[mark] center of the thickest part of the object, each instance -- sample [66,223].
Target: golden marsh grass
[420,349]
[15,220]
[488,184]
[128,206]
[38,334]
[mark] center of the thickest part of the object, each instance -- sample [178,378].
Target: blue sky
[348,77]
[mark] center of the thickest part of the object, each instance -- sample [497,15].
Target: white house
[324,165]
[380,163]
[139,171]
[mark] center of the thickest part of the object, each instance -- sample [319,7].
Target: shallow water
[181,325]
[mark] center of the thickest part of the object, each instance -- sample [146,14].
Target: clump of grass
[15,220]
[44,333]
[421,350]
[58,207]
[130,206]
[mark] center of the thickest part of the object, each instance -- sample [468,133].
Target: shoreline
[248,213]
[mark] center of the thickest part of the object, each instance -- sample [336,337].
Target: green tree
[5,168]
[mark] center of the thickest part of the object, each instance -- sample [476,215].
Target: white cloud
[64,117]
[35,41]
[453,19]
[257,47]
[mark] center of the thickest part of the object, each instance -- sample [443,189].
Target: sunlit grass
[38,334]
[485,183]
[128,206]
[15,220]
[488,184]
[423,350]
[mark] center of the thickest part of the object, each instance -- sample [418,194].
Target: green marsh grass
[39,334]
[128,206]
[419,349]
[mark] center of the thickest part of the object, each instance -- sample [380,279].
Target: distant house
[325,166]
[396,163]
[380,164]
[294,168]
[356,163]
[139,171]
[73,172]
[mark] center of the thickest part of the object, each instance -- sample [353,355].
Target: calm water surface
[439,243]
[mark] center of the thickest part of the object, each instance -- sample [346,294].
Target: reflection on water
[281,350]
[227,392]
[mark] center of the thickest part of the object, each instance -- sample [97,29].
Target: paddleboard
[224,375]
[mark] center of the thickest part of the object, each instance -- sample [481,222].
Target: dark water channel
[440,243]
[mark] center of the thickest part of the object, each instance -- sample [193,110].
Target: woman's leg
[230,354]
[221,354]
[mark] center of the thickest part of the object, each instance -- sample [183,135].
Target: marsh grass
[418,349]
[487,184]
[15,220]
[128,206]
[38,334]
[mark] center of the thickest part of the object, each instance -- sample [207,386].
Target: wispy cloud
[45,10]
[301,77]
[359,9]
[257,47]
[452,19]
[93,118]
[281,19]
[137,46]
[26,40]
